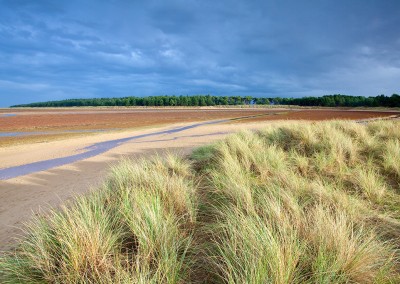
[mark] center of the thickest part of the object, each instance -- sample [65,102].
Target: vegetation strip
[208,100]
[294,203]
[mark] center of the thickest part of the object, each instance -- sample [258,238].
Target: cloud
[58,49]
[23,86]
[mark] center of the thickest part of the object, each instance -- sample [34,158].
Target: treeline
[342,101]
[208,100]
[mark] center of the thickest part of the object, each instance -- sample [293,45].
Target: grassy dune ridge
[294,203]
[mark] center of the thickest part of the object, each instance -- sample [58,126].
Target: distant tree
[202,101]
[209,101]
[336,100]
[247,100]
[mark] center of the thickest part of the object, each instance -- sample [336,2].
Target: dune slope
[294,203]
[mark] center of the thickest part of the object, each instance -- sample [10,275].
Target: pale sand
[24,196]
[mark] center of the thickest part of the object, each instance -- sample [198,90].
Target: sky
[52,50]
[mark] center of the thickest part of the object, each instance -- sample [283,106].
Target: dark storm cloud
[67,49]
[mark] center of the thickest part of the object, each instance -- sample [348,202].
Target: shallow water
[7,114]
[91,151]
[30,133]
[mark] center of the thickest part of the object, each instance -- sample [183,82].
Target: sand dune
[30,194]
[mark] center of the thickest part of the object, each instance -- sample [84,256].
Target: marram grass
[136,229]
[293,203]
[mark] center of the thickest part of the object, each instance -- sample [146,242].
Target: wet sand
[26,126]
[93,150]
[86,119]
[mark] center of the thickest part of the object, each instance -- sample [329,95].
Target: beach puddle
[7,114]
[30,133]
